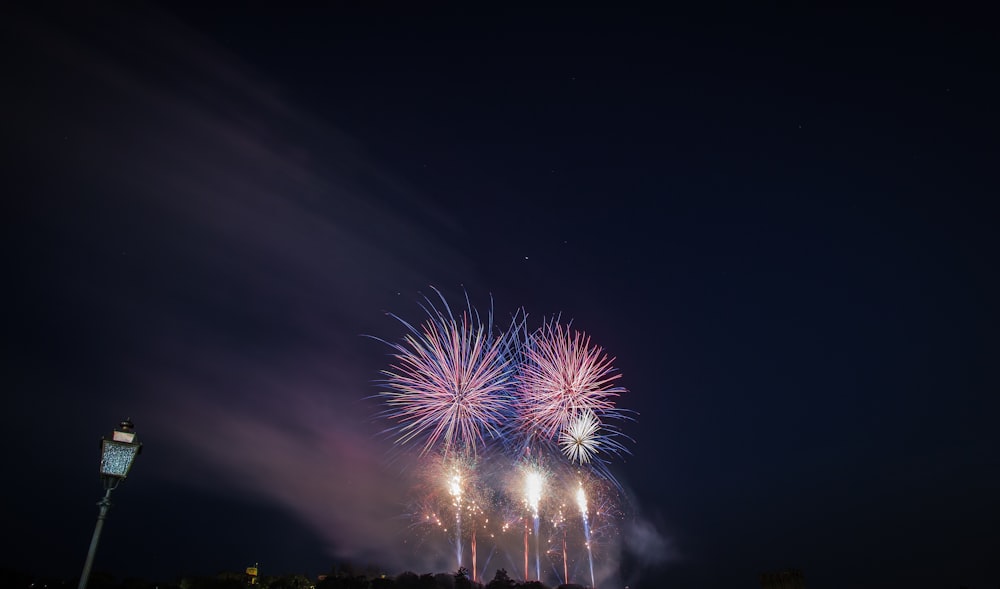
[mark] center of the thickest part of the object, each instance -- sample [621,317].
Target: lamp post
[118,451]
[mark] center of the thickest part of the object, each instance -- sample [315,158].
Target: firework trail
[450,383]
[565,561]
[533,496]
[478,519]
[581,501]
[559,526]
[455,489]
[526,551]
[472,545]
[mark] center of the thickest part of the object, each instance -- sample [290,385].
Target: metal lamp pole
[118,452]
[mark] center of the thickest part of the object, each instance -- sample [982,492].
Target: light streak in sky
[455,489]
[533,497]
[581,501]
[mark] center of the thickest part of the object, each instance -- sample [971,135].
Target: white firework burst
[579,439]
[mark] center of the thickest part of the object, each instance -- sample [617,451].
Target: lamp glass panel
[116,458]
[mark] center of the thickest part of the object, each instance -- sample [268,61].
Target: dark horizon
[784,579]
[780,223]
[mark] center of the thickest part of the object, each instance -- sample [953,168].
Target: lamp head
[118,452]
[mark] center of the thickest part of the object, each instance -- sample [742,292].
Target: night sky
[781,223]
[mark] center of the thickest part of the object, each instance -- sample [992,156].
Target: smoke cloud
[246,245]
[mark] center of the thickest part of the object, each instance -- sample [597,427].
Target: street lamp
[118,452]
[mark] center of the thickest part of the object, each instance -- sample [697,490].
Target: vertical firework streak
[526,550]
[472,542]
[559,523]
[533,496]
[581,500]
[565,562]
[474,579]
[477,519]
[538,564]
[455,488]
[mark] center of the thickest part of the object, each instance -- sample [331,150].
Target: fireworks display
[511,429]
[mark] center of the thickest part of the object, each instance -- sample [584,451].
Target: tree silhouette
[408,580]
[383,582]
[444,581]
[287,582]
[501,580]
[462,579]
[344,579]
[220,581]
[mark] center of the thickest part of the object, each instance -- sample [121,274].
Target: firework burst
[563,376]
[450,383]
[579,440]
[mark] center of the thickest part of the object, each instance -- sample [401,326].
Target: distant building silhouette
[787,579]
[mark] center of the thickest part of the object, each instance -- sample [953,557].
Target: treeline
[411,580]
[338,578]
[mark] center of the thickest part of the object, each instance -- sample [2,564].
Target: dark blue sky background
[780,222]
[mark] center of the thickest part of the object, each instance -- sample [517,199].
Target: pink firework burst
[562,376]
[450,382]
